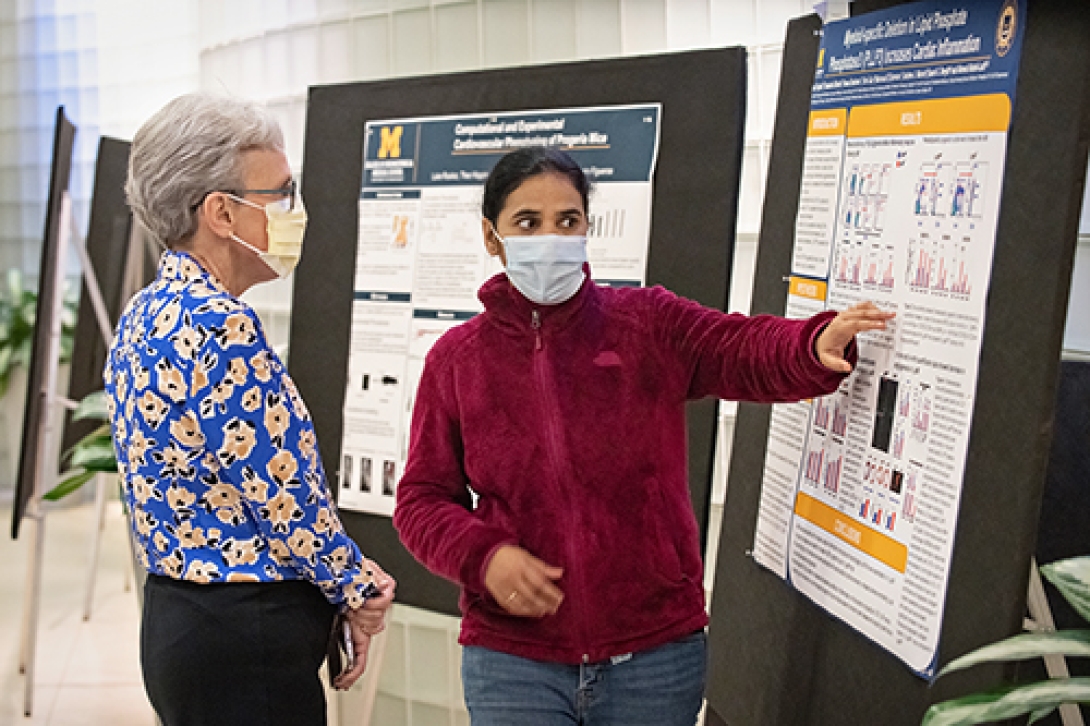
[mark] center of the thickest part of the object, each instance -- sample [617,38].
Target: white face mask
[546,268]
[285,229]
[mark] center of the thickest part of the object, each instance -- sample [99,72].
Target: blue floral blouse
[215,447]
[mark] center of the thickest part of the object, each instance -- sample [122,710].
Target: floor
[87,672]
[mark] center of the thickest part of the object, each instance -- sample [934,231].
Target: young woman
[562,407]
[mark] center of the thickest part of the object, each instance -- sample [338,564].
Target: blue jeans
[660,687]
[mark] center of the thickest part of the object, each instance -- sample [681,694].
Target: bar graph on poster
[900,197]
[420,254]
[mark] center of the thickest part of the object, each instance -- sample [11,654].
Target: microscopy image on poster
[420,255]
[861,488]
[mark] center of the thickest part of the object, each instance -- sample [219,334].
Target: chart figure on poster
[421,258]
[861,488]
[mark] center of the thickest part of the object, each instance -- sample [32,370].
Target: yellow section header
[977,114]
[830,122]
[807,288]
[877,545]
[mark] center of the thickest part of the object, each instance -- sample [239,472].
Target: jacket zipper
[552,415]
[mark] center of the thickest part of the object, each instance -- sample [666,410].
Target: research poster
[902,175]
[421,258]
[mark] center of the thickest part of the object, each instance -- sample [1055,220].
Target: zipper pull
[535,323]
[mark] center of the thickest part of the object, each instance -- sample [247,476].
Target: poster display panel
[906,145]
[420,254]
[44,353]
[108,243]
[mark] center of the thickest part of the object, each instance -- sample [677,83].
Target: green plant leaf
[1072,578]
[1039,714]
[69,485]
[1008,702]
[93,406]
[98,439]
[18,309]
[89,446]
[1026,645]
[94,455]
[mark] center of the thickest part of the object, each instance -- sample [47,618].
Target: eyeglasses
[288,195]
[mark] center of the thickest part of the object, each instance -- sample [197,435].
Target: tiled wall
[46,59]
[111,63]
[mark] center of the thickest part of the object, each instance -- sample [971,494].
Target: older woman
[248,562]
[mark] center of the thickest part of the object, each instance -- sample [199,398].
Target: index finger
[868,309]
[347,678]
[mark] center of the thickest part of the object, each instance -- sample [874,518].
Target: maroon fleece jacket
[568,422]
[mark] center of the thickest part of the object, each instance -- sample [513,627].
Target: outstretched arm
[762,358]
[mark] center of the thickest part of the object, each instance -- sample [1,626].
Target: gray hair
[190,147]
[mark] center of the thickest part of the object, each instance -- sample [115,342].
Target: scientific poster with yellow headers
[420,254]
[901,188]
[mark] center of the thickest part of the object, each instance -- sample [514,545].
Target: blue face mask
[546,268]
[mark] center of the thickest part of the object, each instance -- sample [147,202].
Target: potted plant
[1072,578]
[18,309]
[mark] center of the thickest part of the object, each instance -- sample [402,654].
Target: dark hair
[518,166]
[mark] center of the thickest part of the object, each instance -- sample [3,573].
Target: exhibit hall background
[113,62]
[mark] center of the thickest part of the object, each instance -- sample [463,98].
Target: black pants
[237,654]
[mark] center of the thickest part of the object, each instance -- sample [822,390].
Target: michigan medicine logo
[1006,28]
[390,142]
[389,153]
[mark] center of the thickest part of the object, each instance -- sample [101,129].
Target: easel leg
[30,617]
[28,597]
[96,541]
[1055,665]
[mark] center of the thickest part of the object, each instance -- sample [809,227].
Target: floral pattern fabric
[215,447]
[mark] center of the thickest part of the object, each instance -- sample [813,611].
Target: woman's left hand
[361,643]
[365,622]
[838,334]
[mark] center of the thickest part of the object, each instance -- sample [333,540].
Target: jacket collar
[513,312]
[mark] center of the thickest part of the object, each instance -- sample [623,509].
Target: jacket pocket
[662,528]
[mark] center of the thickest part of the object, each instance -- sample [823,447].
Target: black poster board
[1065,510]
[108,236]
[692,229]
[775,658]
[29,464]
